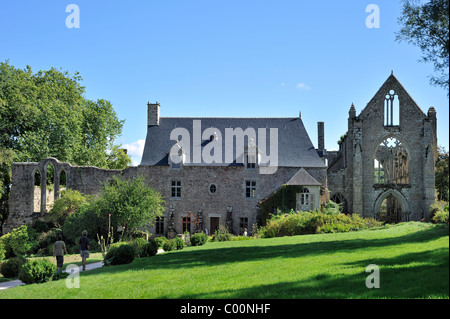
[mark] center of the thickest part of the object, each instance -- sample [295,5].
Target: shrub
[86,218]
[313,223]
[47,239]
[170,245]
[60,275]
[139,245]
[160,241]
[11,268]
[222,234]
[37,271]
[2,250]
[199,239]
[332,208]
[150,249]
[119,254]
[20,241]
[441,217]
[40,226]
[67,204]
[179,243]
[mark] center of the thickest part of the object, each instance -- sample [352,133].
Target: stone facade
[387,157]
[226,202]
[385,163]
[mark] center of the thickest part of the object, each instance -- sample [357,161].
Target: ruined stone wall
[229,202]
[417,133]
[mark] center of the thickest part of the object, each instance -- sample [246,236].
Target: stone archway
[391,207]
[339,198]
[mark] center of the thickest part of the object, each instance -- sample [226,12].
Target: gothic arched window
[391,163]
[391,109]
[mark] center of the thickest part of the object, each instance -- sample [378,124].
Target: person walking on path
[58,251]
[84,247]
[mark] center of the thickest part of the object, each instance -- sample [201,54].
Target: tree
[427,26]
[6,160]
[45,114]
[68,204]
[131,203]
[442,175]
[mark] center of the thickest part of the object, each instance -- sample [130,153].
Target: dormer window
[251,155]
[176,156]
[250,161]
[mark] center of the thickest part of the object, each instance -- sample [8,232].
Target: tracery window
[391,163]
[391,109]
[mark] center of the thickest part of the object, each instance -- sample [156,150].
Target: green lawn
[413,259]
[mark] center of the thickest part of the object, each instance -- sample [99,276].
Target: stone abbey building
[229,171]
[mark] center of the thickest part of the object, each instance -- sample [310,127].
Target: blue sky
[223,58]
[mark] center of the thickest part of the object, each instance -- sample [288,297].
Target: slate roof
[303,178]
[294,145]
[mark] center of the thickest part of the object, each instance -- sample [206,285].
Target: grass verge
[413,259]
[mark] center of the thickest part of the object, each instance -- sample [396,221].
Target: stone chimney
[153,114]
[321,136]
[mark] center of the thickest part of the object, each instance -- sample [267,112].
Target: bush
[11,268]
[20,241]
[170,245]
[150,249]
[199,239]
[439,212]
[139,245]
[86,218]
[332,208]
[119,254]
[2,250]
[67,204]
[47,239]
[160,241]
[441,217]
[60,275]
[179,243]
[37,271]
[222,234]
[313,223]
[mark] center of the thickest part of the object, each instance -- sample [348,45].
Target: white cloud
[303,86]
[135,150]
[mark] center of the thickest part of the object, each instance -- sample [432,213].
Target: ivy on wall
[283,199]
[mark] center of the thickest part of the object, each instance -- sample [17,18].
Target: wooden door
[213,224]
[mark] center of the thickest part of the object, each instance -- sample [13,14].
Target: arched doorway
[340,199]
[391,208]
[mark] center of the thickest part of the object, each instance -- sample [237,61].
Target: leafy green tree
[427,26]
[67,204]
[131,203]
[6,159]
[442,175]
[44,114]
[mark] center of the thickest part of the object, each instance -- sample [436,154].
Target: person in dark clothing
[84,247]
